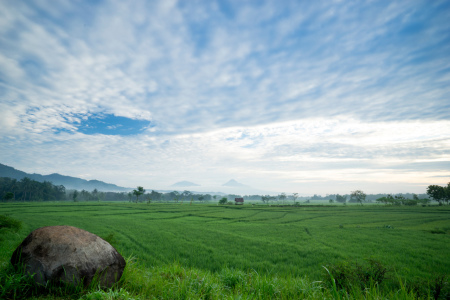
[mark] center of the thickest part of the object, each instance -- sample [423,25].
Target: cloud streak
[298,92]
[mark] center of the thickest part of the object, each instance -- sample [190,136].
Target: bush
[347,275]
[10,223]
[438,231]
[8,196]
[111,238]
[231,278]
[15,283]
[224,200]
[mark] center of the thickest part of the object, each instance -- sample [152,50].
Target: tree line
[439,193]
[174,196]
[27,189]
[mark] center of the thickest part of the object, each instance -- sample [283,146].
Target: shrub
[10,223]
[231,278]
[438,231]
[224,200]
[8,196]
[346,275]
[15,283]
[111,238]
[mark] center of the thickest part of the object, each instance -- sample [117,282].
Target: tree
[358,196]
[382,200]
[265,199]
[95,195]
[341,199]
[140,190]
[156,196]
[437,192]
[224,200]
[176,196]
[447,193]
[294,197]
[75,195]
[201,198]
[282,197]
[185,195]
[8,196]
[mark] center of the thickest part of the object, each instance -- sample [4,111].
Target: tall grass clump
[348,275]
[174,281]
[15,284]
[373,280]
[7,222]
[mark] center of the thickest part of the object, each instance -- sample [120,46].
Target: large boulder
[69,254]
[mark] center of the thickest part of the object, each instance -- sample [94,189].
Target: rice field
[282,241]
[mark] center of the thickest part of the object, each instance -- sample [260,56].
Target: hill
[58,179]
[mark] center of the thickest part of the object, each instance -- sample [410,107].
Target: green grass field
[413,242]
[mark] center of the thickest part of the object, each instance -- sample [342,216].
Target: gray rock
[69,254]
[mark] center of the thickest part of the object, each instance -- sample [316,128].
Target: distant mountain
[67,181]
[184,183]
[234,183]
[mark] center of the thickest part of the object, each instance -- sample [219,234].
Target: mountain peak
[234,183]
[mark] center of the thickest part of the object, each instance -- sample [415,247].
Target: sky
[313,97]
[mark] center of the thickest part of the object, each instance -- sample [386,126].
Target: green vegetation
[223,201]
[358,196]
[140,191]
[439,193]
[10,223]
[29,190]
[215,252]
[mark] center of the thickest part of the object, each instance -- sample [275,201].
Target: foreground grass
[176,282]
[247,252]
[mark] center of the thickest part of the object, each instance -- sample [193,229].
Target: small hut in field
[239,201]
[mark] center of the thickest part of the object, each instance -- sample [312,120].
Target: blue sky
[286,96]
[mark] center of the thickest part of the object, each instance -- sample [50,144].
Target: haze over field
[308,97]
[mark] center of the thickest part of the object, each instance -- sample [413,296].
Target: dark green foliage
[438,231]
[111,238]
[348,275]
[30,190]
[401,200]
[358,196]
[8,196]
[224,200]
[440,287]
[439,193]
[341,199]
[15,284]
[231,278]
[10,223]
[140,190]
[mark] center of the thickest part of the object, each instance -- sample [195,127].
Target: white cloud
[284,156]
[269,90]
